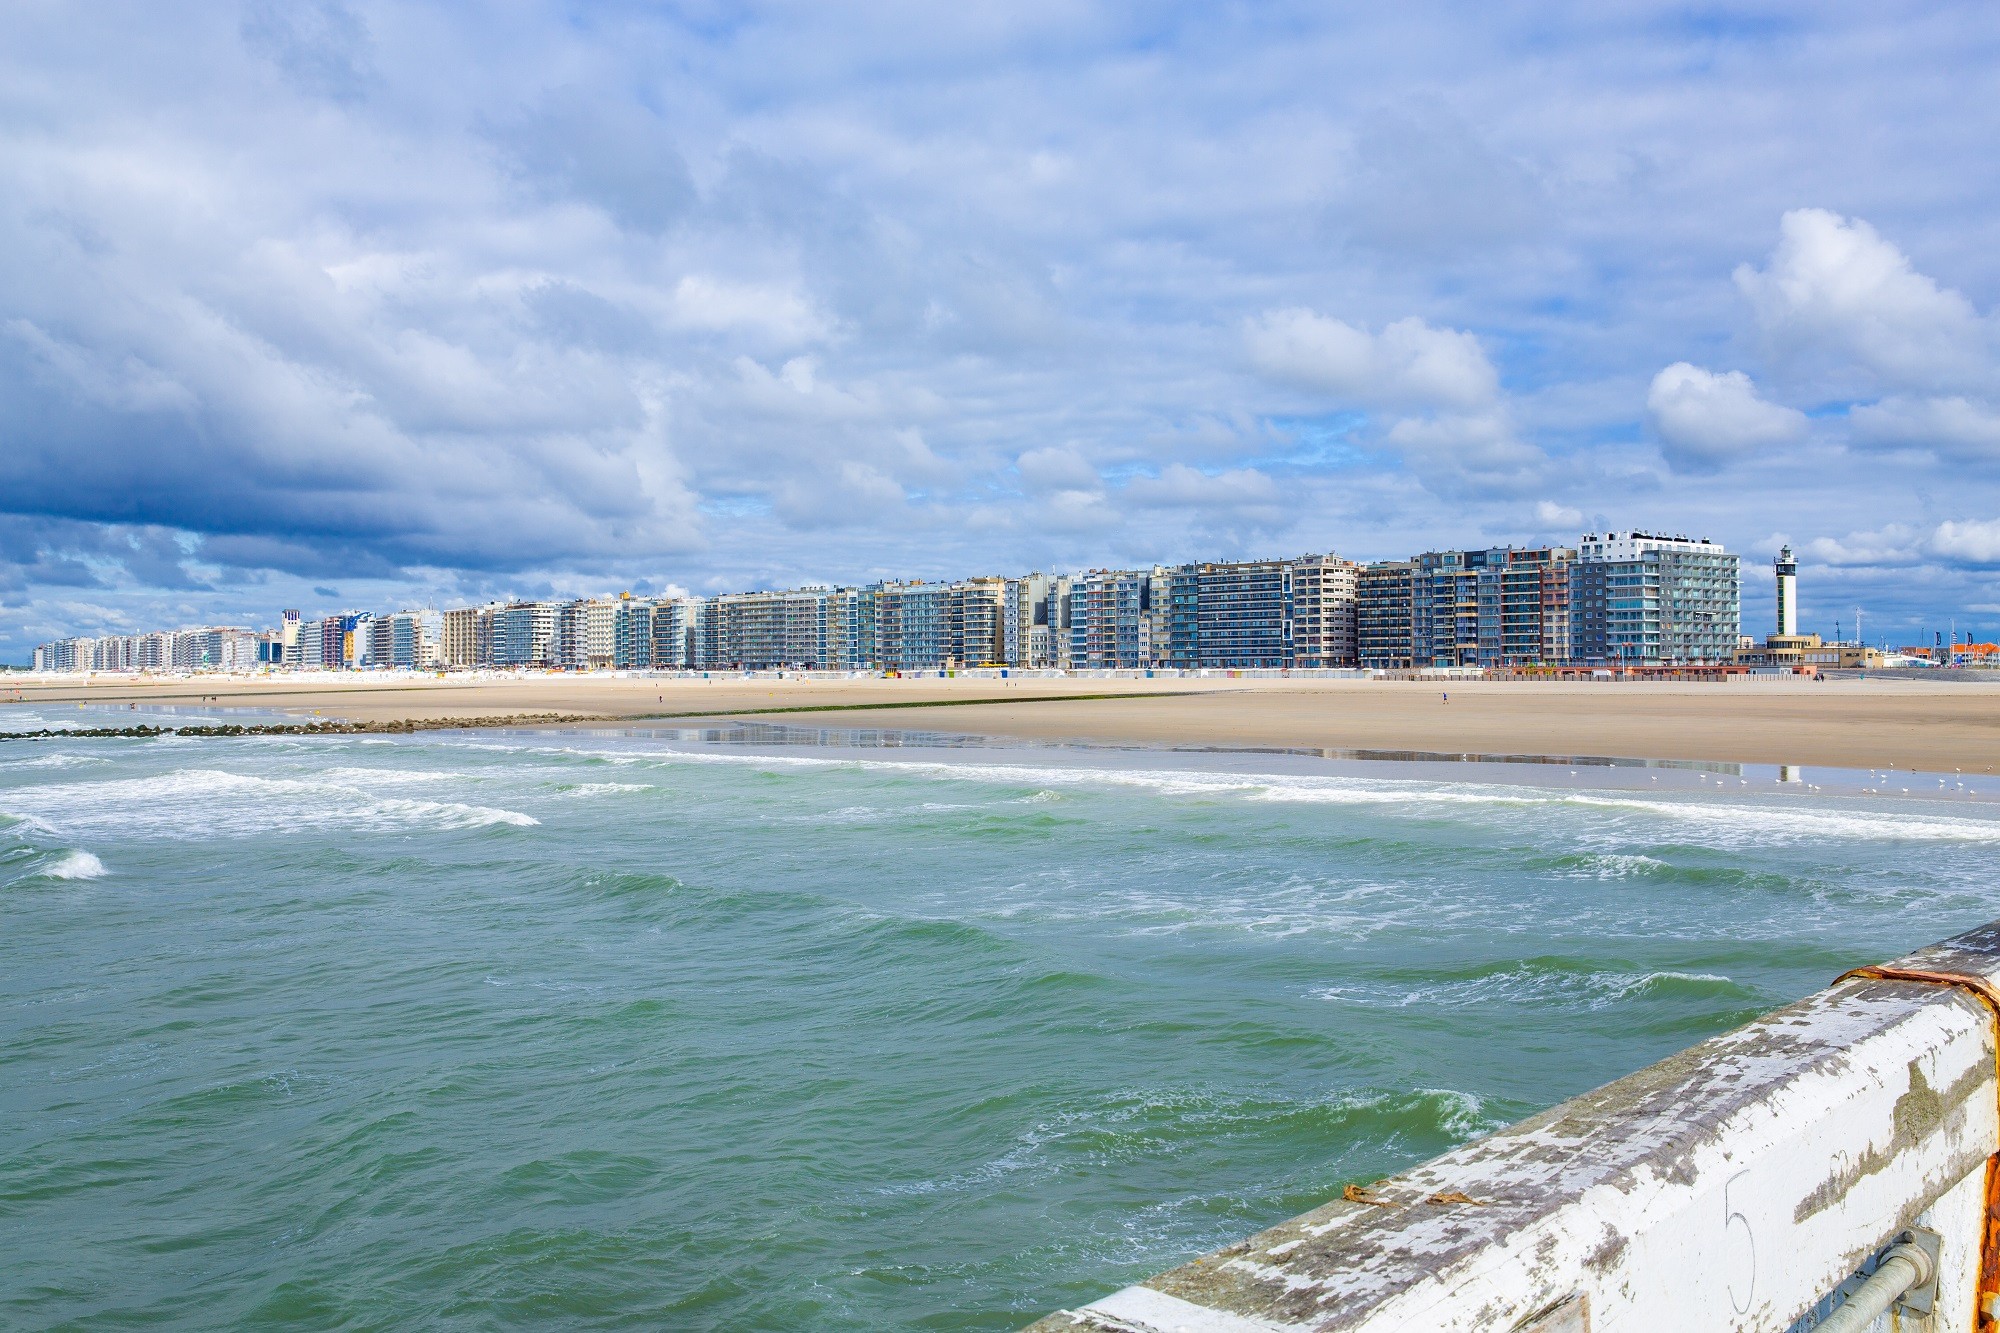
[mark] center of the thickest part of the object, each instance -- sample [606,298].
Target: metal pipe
[1903,1267]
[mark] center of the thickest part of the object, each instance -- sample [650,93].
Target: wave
[391,777]
[76,865]
[1795,823]
[1728,823]
[53,761]
[198,802]
[599,788]
[1122,1126]
[1560,982]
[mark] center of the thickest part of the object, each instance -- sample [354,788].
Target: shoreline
[1843,724]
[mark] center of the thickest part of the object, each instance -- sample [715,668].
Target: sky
[338,304]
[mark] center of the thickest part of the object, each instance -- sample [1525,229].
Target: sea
[788,1028]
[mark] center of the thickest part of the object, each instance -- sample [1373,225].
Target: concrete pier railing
[1759,1181]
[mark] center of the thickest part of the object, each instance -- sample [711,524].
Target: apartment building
[850,629]
[1444,608]
[1623,598]
[524,634]
[976,629]
[587,633]
[1523,596]
[1322,596]
[1638,599]
[912,626]
[1030,614]
[679,629]
[414,639]
[1384,625]
[458,637]
[632,633]
[1240,614]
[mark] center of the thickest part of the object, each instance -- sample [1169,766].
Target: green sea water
[504,1030]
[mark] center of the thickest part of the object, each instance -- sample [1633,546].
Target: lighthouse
[1788,593]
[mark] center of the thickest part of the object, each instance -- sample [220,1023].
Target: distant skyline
[349,304]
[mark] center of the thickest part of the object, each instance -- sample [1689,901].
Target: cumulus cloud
[1549,514]
[1408,364]
[1953,427]
[1974,541]
[1458,455]
[716,305]
[415,301]
[1056,469]
[1835,291]
[1892,544]
[1180,486]
[1705,419]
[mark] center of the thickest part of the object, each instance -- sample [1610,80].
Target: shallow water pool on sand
[479,1029]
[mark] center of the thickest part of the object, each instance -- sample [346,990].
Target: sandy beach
[1839,723]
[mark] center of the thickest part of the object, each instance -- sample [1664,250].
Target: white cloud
[1953,427]
[1456,455]
[1834,288]
[1552,515]
[1056,469]
[456,303]
[1892,544]
[845,495]
[1408,364]
[1975,542]
[777,313]
[1182,487]
[1705,419]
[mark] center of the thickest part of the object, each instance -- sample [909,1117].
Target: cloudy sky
[329,303]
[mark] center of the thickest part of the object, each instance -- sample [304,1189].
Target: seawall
[1752,1182]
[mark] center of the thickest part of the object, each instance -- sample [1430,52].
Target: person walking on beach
[1445,695]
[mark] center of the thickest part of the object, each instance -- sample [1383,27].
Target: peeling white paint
[1730,1186]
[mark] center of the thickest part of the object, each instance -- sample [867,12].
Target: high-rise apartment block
[1385,638]
[1642,600]
[1623,599]
[1240,614]
[1323,600]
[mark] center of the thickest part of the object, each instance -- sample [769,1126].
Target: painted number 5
[1741,1266]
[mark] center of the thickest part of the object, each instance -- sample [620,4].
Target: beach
[1838,723]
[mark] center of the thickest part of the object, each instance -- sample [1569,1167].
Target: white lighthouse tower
[1788,593]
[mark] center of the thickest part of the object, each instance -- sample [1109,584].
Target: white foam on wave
[1613,865]
[388,777]
[1737,823]
[1726,823]
[1702,817]
[1525,984]
[11,820]
[603,788]
[54,761]
[77,865]
[196,802]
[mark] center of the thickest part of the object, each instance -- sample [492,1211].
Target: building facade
[1637,599]
[1323,598]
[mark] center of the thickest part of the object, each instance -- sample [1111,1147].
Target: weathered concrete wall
[1732,1186]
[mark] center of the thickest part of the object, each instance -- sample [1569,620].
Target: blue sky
[326,303]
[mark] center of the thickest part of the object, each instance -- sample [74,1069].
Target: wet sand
[1842,723]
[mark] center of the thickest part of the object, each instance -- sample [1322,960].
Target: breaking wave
[199,802]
